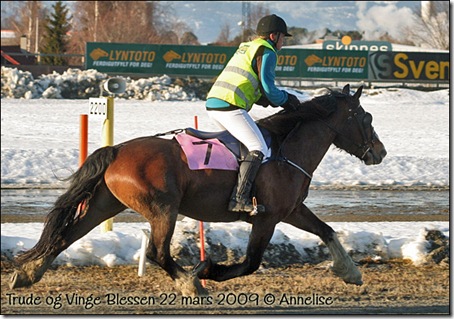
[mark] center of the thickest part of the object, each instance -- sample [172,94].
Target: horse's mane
[283,122]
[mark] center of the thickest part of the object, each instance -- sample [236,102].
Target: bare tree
[28,19]
[189,38]
[224,35]
[170,22]
[125,22]
[431,25]
[258,11]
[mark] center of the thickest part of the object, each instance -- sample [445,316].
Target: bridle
[363,120]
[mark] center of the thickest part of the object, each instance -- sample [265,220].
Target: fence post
[108,136]
[201,230]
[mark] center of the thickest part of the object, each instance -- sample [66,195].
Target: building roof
[13,54]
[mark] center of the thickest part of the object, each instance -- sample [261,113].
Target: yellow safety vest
[238,84]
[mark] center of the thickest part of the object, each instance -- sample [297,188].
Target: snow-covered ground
[40,141]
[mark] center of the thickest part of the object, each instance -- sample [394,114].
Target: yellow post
[108,137]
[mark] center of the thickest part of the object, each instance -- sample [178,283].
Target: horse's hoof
[201,291]
[355,280]
[190,286]
[352,277]
[19,279]
[201,270]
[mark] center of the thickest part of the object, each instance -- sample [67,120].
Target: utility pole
[96,20]
[246,19]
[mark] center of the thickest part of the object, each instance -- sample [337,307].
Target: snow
[40,141]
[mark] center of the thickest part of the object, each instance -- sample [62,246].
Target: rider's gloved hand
[292,102]
[263,101]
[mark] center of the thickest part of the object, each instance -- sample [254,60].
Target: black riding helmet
[270,24]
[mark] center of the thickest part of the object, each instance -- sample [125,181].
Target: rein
[173,132]
[286,160]
[280,157]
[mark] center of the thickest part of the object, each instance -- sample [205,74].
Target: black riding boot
[241,196]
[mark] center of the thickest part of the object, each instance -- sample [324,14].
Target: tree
[125,22]
[258,11]
[224,36]
[431,26]
[56,35]
[25,18]
[189,38]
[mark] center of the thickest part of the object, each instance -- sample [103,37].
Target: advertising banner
[411,66]
[329,64]
[209,61]
[157,59]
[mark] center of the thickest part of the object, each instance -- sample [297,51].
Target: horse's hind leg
[102,206]
[259,238]
[343,266]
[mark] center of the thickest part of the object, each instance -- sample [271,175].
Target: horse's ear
[358,93]
[346,89]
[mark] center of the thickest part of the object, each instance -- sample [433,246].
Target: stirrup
[255,211]
[244,207]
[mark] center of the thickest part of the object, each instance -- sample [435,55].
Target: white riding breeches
[241,125]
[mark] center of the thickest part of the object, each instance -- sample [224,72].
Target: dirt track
[394,287]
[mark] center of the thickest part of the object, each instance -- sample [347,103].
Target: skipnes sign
[346,43]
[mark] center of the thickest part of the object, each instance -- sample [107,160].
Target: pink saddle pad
[206,154]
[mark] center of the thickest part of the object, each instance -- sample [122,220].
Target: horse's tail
[65,211]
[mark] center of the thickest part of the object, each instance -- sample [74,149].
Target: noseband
[363,120]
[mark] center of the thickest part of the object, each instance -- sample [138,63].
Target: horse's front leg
[343,266]
[259,238]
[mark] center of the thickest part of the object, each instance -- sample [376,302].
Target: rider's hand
[263,101]
[292,102]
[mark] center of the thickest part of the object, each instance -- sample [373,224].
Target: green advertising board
[289,63]
[157,59]
[174,59]
[409,66]
[209,61]
[329,64]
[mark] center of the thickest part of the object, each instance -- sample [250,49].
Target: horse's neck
[308,145]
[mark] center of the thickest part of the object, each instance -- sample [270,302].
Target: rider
[248,78]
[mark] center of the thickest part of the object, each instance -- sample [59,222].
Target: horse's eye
[367,120]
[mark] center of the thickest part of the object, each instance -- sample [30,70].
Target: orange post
[201,231]
[83,141]
[83,148]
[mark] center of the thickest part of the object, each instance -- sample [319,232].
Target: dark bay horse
[150,175]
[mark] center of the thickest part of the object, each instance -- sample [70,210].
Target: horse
[150,175]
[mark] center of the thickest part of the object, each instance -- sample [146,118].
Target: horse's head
[354,131]
[343,114]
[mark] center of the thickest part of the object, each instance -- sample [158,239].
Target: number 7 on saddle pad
[206,154]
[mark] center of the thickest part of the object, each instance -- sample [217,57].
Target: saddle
[212,150]
[228,140]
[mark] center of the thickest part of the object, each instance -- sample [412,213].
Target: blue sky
[206,18]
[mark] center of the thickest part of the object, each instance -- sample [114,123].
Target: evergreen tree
[55,38]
